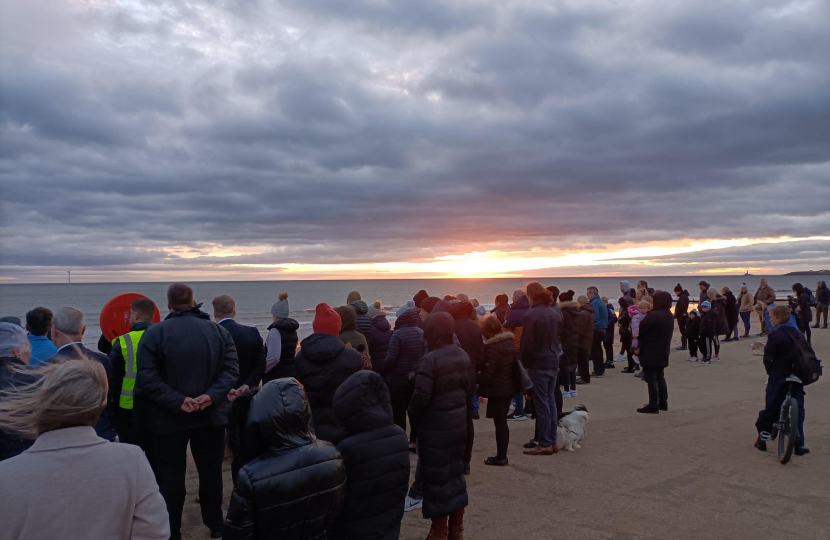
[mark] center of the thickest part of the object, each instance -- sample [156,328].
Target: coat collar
[499,337]
[66,438]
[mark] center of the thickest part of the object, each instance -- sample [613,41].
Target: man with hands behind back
[187,365]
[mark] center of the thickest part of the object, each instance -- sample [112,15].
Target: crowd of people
[321,434]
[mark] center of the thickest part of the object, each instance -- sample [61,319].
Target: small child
[693,334]
[637,315]
[708,327]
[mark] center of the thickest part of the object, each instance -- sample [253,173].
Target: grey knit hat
[280,308]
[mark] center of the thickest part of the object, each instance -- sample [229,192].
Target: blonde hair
[641,293]
[64,394]
[782,313]
[724,290]
[645,303]
[650,301]
[712,294]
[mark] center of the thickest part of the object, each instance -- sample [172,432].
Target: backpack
[806,366]
[813,300]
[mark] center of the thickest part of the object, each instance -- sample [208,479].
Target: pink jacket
[636,318]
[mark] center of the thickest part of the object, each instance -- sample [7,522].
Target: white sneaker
[637,358]
[410,504]
[566,393]
[619,358]
[716,358]
[574,394]
[692,359]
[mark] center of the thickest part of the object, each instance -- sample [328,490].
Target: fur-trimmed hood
[570,304]
[499,337]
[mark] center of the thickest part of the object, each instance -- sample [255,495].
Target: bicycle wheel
[789,432]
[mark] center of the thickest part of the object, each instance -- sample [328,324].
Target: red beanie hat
[326,320]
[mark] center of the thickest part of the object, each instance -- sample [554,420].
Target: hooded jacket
[513,319]
[569,334]
[295,487]
[778,350]
[323,363]
[186,355]
[731,308]
[439,410]
[541,348]
[379,345]
[497,377]
[681,309]
[708,324]
[693,327]
[802,300]
[822,294]
[406,347]
[656,333]
[585,324]
[376,454]
[469,337]
[348,329]
[286,331]
[719,307]
[636,320]
[363,322]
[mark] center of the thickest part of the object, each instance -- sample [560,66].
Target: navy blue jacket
[379,344]
[778,350]
[250,352]
[363,322]
[104,427]
[517,311]
[406,348]
[541,347]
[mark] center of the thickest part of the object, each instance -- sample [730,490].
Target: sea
[254,298]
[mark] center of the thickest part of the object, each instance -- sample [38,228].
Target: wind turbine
[69,276]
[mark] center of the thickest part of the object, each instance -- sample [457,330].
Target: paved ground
[691,473]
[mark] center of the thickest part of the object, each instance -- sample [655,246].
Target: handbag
[523,382]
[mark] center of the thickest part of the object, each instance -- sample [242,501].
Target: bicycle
[787,425]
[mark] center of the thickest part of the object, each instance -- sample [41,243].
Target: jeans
[476,404]
[544,388]
[596,351]
[658,393]
[497,408]
[169,462]
[746,318]
[520,404]
[775,394]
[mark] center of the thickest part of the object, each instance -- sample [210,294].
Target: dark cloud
[359,131]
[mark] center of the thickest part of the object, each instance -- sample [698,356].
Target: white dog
[572,428]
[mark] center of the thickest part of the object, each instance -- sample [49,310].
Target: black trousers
[568,380]
[497,409]
[471,433]
[658,393]
[596,351]
[169,462]
[805,329]
[557,391]
[681,325]
[693,347]
[583,367]
[400,397]
[609,350]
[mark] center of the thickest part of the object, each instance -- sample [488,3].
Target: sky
[262,139]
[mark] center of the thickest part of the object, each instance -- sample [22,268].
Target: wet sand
[690,473]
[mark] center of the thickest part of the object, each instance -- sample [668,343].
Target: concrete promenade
[690,473]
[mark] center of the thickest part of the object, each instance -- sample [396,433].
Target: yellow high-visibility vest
[129,347]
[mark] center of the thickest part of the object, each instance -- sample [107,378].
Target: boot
[438,534]
[457,533]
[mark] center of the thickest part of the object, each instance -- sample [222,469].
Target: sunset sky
[247,139]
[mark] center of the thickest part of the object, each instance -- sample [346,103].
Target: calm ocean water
[254,298]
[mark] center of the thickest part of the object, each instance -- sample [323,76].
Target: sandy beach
[690,473]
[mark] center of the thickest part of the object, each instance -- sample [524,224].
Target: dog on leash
[572,428]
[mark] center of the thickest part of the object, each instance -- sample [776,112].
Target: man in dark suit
[250,349]
[67,332]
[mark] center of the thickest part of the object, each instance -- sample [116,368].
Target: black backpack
[806,366]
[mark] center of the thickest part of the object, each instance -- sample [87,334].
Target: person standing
[731,314]
[626,335]
[655,345]
[439,410]
[187,366]
[363,322]
[513,323]
[540,354]
[502,307]
[71,483]
[250,350]
[130,421]
[681,310]
[39,326]
[704,291]
[323,363]
[585,326]
[804,315]
[406,348]
[291,484]
[628,292]
[68,329]
[281,342]
[766,295]
[381,335]
[823,297]
[569,338]
[469,337]
[608,338]
[497,383]
[600,324]
[745,309]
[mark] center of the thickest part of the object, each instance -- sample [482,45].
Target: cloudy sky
[260,139]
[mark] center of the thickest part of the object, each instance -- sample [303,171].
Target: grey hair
[518,293]
[12,338]
[69,321]
[593,290]
[63,394]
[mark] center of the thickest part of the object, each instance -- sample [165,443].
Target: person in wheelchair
[778,362]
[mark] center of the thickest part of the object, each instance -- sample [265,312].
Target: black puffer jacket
[719,307]
[288,350]
[295,487]
[186,355]
[406,348]
[731,308]
[569,334]
[12,445]
[379,345]
[625,320]
[656,333]
[802,299]
[693,328]
[323,363]
[778,357]
[469,337]
[682,306]
[363,322]
[376,453]
[497,370]
[439,410]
